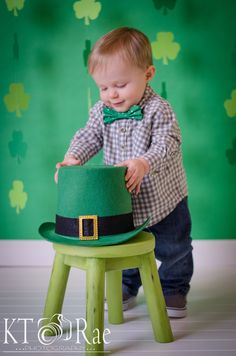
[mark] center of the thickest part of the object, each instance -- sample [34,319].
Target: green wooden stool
[137,252]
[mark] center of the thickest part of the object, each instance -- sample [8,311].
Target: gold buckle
[95,227]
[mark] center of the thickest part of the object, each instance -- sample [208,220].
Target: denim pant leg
[173,249]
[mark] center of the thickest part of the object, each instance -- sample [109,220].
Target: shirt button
[122,147]
[122,129]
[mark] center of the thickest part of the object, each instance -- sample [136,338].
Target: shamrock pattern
[17,100]
[17,196]
[87,9]
[17,147]
[15,5]
[34,64]
[230,105]
[164,47]
[165,4]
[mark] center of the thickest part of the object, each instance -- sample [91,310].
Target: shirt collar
[148,92]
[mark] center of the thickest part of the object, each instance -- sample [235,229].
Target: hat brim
[47,230]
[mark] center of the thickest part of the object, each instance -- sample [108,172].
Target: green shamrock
[89,9]
[14,5]
[230,105]
[167,4]
[164,48]
[17,147]
[17,99]
[17,196]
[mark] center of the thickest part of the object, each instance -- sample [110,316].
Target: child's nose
[113,93]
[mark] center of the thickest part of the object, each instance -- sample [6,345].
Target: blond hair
[130,44]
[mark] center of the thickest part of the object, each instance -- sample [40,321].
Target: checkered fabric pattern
[156,138]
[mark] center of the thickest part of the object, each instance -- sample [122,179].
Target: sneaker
[176,306]
[129,301]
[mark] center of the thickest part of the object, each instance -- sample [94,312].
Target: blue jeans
[173,249]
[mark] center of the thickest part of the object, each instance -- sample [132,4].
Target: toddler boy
[138,129]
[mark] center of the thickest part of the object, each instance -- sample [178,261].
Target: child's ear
[150,72]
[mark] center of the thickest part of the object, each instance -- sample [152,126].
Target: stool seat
[140,244]
[110,261]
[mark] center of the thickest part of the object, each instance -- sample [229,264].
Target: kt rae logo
[50,330]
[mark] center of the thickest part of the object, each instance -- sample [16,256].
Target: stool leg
[56,290]
[155,299]
[95,281]
[114,297]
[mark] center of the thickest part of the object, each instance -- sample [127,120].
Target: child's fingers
[133,185]
[125,164]
[131,172]
[69,162]
[60,164]
[131,179]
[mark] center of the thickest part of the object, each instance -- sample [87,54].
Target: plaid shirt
[156,138]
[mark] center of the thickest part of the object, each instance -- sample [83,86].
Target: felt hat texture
[93,207]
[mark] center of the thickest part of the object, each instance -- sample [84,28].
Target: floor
[209,329]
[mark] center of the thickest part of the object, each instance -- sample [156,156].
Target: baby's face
[121,84]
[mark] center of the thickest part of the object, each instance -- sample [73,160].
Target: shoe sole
[171,312]
[176,312]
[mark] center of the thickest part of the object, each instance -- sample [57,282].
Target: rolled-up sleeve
[88,140]
[165,140]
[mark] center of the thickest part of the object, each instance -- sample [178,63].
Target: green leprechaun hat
[93,208]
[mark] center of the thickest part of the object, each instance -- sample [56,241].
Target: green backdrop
[46,92]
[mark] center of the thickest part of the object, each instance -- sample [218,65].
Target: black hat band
[89,227]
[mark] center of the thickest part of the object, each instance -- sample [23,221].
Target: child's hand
[68,161]
[137,169]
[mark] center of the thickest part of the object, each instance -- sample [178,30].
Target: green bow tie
[110,115]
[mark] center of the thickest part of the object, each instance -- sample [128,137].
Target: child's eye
[103,89]
[120,85]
